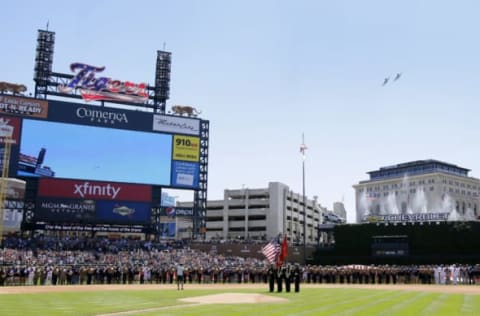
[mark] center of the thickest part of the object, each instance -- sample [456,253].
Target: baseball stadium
[80,236]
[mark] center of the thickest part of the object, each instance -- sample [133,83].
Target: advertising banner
[185,174]
[10,129]
[83,114]
[167,200]
[175,124]
[12,220]
[167,230]
[95,190]
[26,107]
[65,210]
[91,212]
[186,148]
[171,211]
[93,228]
[416,217]
[10,133]
[15,189]
[123,212]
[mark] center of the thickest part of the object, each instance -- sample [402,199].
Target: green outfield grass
[310,301]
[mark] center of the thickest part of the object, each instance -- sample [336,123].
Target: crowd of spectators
[101,244]
[84,260]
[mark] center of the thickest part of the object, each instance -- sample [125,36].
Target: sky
[265,72]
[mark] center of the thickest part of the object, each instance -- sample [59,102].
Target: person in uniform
[296,277]
[180,279]
[271,278]
[288,275]
[280,276]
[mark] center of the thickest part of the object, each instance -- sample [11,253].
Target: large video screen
[78,141]
[98,153]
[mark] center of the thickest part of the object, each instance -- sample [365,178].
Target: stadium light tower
[303,148]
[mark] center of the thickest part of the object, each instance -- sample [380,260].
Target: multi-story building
[420,190]
[339,210]
[263,214]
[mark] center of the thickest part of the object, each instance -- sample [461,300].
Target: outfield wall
[429,243]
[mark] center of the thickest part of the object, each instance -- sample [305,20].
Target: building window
[432,188]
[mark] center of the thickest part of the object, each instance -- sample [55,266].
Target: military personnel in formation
[271,274]
[297,274]
[288,276]
[280,277]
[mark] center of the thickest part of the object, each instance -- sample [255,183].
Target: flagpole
[303,148]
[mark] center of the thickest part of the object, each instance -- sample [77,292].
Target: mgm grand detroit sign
[409,218]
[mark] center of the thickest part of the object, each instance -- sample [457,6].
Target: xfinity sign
[101,191]
[93,190]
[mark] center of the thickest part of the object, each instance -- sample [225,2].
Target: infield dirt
[461,289]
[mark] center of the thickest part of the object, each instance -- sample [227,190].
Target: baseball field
[240,299]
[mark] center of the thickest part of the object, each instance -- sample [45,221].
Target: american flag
[303,147]
[271,251]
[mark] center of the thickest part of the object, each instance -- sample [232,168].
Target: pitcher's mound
[234,298]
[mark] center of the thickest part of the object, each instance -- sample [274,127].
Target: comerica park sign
[94,88]
[403,218]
